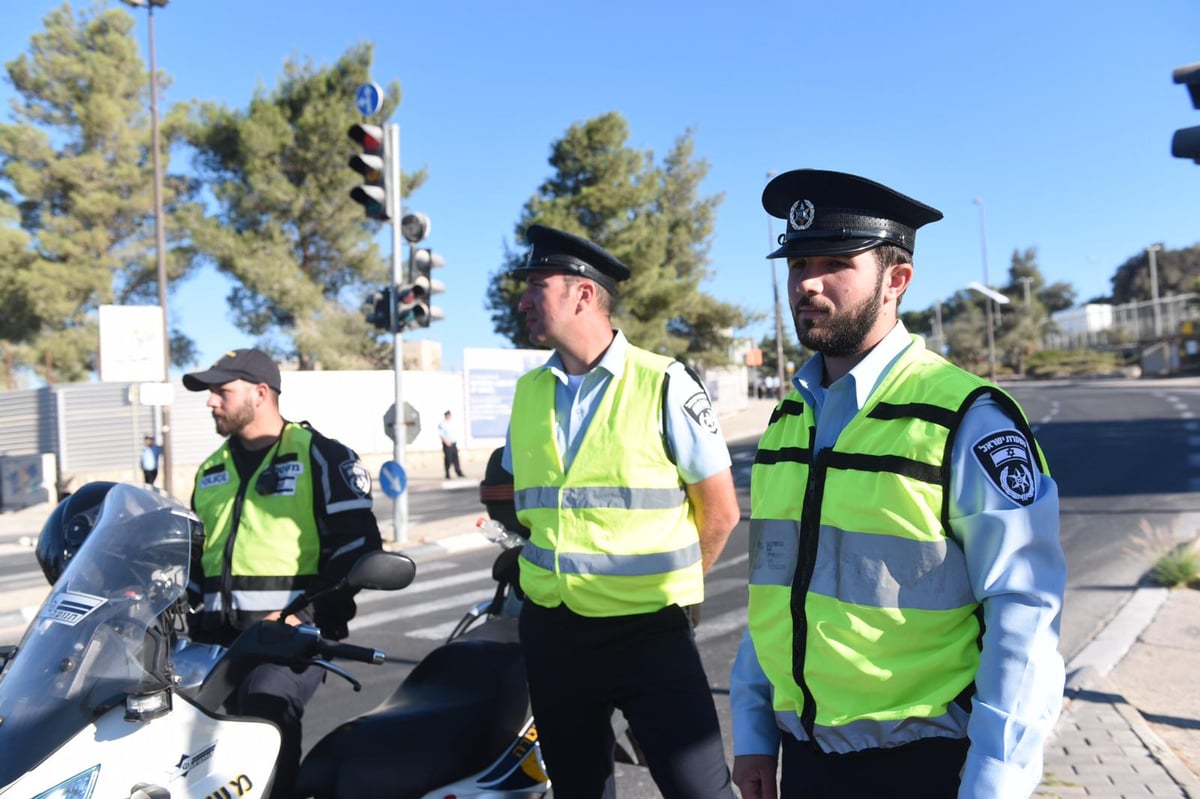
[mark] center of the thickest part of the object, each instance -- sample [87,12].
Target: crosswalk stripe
[462,601]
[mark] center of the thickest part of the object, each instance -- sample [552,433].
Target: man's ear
[587,292]
[897,279]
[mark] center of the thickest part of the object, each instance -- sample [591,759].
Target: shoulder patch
[1008,462]
[699,408]
[357,477]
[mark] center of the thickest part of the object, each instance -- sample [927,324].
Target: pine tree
[649,216]
[284,228]
[76,192]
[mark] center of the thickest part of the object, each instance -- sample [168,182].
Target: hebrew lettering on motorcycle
[70,607]
[241,785]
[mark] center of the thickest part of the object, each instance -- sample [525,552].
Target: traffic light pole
[399,425]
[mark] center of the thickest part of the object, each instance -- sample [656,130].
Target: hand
[754,776]
[292,619]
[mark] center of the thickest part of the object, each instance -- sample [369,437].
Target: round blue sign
[369,99]
[392,479]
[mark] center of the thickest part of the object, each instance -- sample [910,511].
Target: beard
[234,421]
[839,334]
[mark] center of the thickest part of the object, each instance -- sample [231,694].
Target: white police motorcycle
[103,698]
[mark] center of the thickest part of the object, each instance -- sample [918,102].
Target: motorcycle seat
[451,717]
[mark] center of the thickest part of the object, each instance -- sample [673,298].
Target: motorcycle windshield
[102,632]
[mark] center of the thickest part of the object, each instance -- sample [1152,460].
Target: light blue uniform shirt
[1017,572]
[692,429]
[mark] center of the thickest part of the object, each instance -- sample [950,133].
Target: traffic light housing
[373,164]
[378,308]
[1186,141]
[424,261]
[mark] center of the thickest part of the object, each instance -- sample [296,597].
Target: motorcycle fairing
[189,753]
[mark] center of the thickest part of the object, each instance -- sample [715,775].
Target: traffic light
[378,308]
[424,261]
[1186,142]
[375,194]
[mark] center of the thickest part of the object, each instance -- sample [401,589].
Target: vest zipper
[228,616]
[810,530]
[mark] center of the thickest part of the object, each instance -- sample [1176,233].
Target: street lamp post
[1151,251]
[991,333]
[160,238]
[779,392]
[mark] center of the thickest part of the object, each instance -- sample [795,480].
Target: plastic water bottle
[497,533]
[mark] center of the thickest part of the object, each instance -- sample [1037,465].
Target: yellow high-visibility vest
[861,608]
[613,535]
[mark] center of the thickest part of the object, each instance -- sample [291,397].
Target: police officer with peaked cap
[623,478]
[906,576]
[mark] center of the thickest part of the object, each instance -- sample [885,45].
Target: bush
[1176,563]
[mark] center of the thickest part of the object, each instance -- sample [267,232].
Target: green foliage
[76,191]
[652,218]
[1073,363]
[302,254]
[1176,563]
[1177,272]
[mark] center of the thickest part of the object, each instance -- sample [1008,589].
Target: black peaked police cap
[835,213]
[553,250]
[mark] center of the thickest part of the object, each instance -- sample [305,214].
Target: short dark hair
[890,255]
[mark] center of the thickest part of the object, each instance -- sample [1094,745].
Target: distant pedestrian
[151,453]
[449,446]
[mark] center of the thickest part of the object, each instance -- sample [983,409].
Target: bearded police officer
[906,576]
[283,507]
[623,478]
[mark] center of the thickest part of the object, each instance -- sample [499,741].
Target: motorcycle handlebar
[362,654]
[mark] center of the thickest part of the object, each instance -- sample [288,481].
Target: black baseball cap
[835,213]
[251,365]
[554,250]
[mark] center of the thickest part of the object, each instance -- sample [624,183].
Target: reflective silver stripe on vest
[870,734]
[880,571]
[600,497]
[349,547]
[253,601]
[613,565]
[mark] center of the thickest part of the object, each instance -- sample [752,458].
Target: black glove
[332,614]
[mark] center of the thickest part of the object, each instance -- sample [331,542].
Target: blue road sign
[369,99]
[392,479]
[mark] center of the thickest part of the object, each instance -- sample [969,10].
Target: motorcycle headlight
[78,787]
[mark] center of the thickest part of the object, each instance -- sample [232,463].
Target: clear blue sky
[1058,115]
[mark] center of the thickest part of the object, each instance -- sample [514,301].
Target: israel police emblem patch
[801,214]
[1006,459]
[700,409]
[357,477]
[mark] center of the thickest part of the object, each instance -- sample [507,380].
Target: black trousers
[278,694]
[928,768]
[450,459]
[647,666]
[150,474]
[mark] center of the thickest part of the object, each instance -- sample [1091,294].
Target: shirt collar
[865,375]
[613,360]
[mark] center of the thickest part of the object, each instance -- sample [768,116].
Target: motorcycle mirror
[382,571]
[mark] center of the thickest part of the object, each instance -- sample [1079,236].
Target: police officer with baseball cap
[284,509]
[906,576]
[622,477]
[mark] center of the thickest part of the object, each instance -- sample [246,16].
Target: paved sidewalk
[1130,725]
